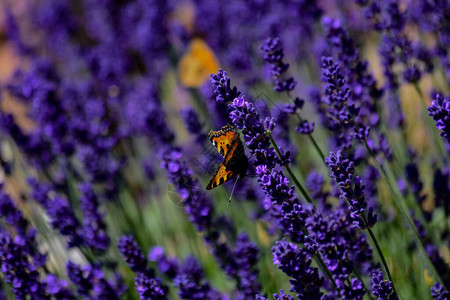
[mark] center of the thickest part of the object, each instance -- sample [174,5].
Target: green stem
[288,169]
[308,198]
[316,146]
[311,138]
[399,205]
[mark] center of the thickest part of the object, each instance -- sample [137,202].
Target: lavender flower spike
[274,56]
[380,287]
[147,285]
[352,189]
[296,263]
[439,110]
[438,292]
[222,87]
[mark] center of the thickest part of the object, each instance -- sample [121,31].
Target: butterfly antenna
[232,191]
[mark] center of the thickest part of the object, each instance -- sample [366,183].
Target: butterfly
[235,163]
[197,64]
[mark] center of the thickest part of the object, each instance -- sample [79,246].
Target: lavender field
[198,149]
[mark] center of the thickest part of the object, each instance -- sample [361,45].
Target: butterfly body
[235,163]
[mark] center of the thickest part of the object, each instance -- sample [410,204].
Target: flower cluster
[439,110]
[341,114]
[90,281]
[94,228]
[99,130]
[147,285]
[352,190]
[222,87]
[380,287]
[296,263]
[273,54]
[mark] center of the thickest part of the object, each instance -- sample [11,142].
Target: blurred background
[92,91]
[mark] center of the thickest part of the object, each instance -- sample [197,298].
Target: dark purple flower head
[247,254]
[61,213]
[352,189]
[147,285]
[150,288]
[166,265]
[296,263]
[412,74]
[335,88]
[90,282]
[192,284]
[244,116]
[273,54]
[222,87]
[380,287]
[282,296]
[191,119]
[305,127]
[94,227]
[439,110]
[12,215]
[354,291]
[197,205]
[58,288]
[18,271]
[132,254]
[438,292]
[441,187]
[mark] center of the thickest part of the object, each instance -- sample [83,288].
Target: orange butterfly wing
[223,139]
[223,174]
[197,64]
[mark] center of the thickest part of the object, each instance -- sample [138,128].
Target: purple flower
[12,215]
[222,87]
[380,287]
[61,213]
[352,189]
[296,263]
[147,285]
[149,288]
[197,206]
[282,296]
[341,114]
[192,284]
[94,228]
[191,119]
[247,254]
[439,110]
[90,282]
[441,187]
[438,292]
[132,254]
[168,266]
[24,231]
[305,127]
[273,54]
[58,288]
[17,270]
